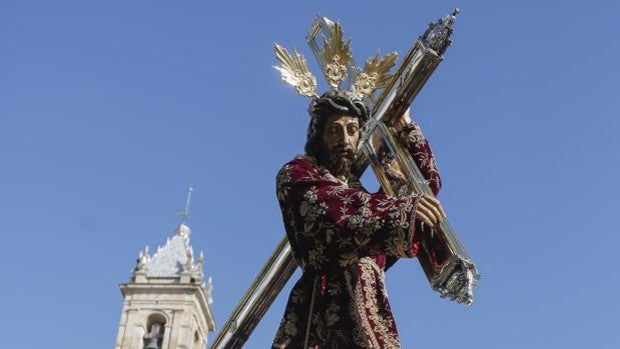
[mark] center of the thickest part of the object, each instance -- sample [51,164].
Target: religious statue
[341,236]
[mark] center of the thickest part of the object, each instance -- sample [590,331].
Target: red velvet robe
[341,237]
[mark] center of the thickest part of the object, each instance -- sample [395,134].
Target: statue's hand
[429,210]
[405,119]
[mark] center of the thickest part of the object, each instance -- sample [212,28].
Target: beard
[338,160]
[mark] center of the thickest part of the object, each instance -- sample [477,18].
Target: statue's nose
[345,138]
[349,139]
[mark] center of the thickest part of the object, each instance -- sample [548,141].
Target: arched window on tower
[155,327]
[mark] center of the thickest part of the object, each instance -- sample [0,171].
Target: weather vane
[184,213]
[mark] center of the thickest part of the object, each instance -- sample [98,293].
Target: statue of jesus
[343,237]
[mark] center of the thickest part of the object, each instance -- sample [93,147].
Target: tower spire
[163,284]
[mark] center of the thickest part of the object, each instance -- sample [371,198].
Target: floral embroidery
[282,180]
[339,233]
[411,136]
[368,305]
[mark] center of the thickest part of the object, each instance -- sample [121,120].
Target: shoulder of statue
[305,168]
[301,164]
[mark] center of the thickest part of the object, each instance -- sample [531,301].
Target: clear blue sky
[110,109]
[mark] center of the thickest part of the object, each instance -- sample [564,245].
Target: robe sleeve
[420,149]
[331,222]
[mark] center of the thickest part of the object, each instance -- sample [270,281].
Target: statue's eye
[352,129]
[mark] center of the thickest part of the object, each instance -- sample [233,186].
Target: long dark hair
[330,103]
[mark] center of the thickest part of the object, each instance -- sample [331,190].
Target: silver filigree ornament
[437,36]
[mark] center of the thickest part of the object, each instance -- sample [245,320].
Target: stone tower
[167,303]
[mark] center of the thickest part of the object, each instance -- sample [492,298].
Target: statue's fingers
[441,210]
[428,203]
[436,213]
[425,200]
[436,204]
[423,217]
[430,214]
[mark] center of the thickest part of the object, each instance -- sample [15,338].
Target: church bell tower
[167,303]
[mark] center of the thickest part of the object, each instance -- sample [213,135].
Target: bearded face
[339,144]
